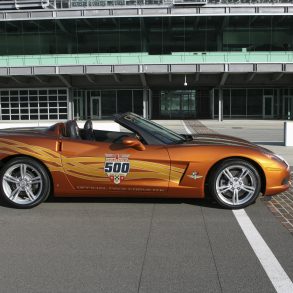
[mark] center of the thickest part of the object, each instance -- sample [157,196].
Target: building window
[110,101]
[33,104]
[124,101]
[178,104]
[238,102]
[255,103]
[154,35]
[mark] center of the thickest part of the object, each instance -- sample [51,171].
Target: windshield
[163,134]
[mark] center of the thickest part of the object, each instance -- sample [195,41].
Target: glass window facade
[33,104]
[255,103]
[154,35]
[177,104]
[182,104]
[111,102]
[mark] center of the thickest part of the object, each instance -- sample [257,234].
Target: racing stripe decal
[49,157]
[90,168]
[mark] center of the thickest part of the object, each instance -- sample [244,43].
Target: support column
[70,104]
[219,40]
[212,101]
[220,104]
[145,103]
[278,104]
[150,104]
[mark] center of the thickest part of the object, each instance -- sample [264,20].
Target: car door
[105,168]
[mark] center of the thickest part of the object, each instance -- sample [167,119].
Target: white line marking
[269,262]
[186,128]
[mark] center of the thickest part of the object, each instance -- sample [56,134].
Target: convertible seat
[72,129]
[88,130]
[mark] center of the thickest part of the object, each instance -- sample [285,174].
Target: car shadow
[96,200]
[126,200]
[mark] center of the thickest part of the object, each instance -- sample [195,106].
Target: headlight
[281,158]
[278,158]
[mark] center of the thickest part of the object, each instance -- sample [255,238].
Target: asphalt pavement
[136,246]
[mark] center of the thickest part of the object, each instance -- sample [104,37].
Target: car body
[147,161]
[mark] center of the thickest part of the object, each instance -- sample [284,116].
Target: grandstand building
[163,59]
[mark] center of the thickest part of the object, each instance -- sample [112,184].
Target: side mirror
[133,142]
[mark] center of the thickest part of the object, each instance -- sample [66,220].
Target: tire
[234,184]
[24,183]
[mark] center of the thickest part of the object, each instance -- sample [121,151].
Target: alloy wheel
[236,185]
[22,183]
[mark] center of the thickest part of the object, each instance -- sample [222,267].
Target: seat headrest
[72,129]
[88,125]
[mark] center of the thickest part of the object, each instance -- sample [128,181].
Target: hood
[218,139]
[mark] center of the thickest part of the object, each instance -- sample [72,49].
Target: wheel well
[7,159]
[256,165]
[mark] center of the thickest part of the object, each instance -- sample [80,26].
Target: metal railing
[60,4]
[232,2]
[101,3]
[97,3]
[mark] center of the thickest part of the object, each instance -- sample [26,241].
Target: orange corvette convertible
[146,161]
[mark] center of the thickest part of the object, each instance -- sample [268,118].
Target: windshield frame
[144,126]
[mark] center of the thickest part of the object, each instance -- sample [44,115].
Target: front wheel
[235,183]
[24,183]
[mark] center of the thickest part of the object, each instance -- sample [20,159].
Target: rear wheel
[235,183]
[24,183]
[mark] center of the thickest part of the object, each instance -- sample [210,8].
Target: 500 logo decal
[116,167]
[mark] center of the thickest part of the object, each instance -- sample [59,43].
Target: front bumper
[278,180]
